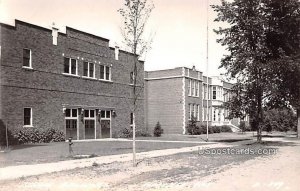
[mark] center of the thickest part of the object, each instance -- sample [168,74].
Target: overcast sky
[179,25]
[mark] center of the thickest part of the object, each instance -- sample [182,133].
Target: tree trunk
[298,123]
[260,116]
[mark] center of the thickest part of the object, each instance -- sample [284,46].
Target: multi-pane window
[27,116]
[71,116]
[197,89]
[89,123]
[89,69]
[27,58]
[189,87]
[214,93]
[105,73]
[131,119]
[214,115]
[193,87]
[89,119]
[190,111]
[198,112]
[70,66]
[105,114]
[195,112]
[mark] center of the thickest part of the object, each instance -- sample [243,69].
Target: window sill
[27,67]
[27,126]
[89,78]
[102,80]
[71,75]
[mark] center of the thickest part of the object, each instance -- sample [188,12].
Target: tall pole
[207,111]
[133,141]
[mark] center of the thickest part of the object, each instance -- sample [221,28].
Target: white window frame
[88,70]
[73,118]
[104,76]
[189,87]
[90,118]
[105,116]
[30,125]
[197,89]
[70,67]
[30,59]
[193,87]
[190,111]
[198,112]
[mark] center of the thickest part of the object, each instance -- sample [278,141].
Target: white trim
[90,118]
[77,120]
[169,77]
[30,125]
[104,75]
[70,66]
[72,75]
[88,70]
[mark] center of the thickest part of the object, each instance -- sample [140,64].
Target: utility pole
[207,111]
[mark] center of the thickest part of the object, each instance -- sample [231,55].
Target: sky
[179,26]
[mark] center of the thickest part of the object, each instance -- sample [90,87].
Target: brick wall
[46,89]
[165,104]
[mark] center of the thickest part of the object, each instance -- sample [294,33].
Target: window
[105,73]
[27,116]
[214,93]
[214,115]
[131,120]
[193,87]
[71,116]
[190,111]
[196,112]
[131,77]
[70,66]
[189,87]
[105,114]
[89,69]
[89,123]
[27,58]
[197,89]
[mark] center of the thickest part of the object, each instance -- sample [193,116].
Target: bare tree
[135,14]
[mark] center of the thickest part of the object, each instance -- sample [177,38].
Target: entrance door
[89,124]
[105,123]
[105,128]
[71,123]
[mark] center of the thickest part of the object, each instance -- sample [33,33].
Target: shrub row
[194,129]
[127,133]
[35,135]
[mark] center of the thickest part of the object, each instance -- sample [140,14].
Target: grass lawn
[53,152]
[215,137]
[151,174]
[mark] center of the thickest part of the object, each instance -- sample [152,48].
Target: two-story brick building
[71,81]
[173,96]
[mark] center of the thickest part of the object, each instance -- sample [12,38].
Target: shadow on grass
[273,143]
[231,140]
[25,146]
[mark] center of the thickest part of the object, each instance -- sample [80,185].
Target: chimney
[117,52]
[54,34]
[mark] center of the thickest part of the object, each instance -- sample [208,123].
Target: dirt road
[184,171]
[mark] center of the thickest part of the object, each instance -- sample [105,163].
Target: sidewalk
[14,172]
